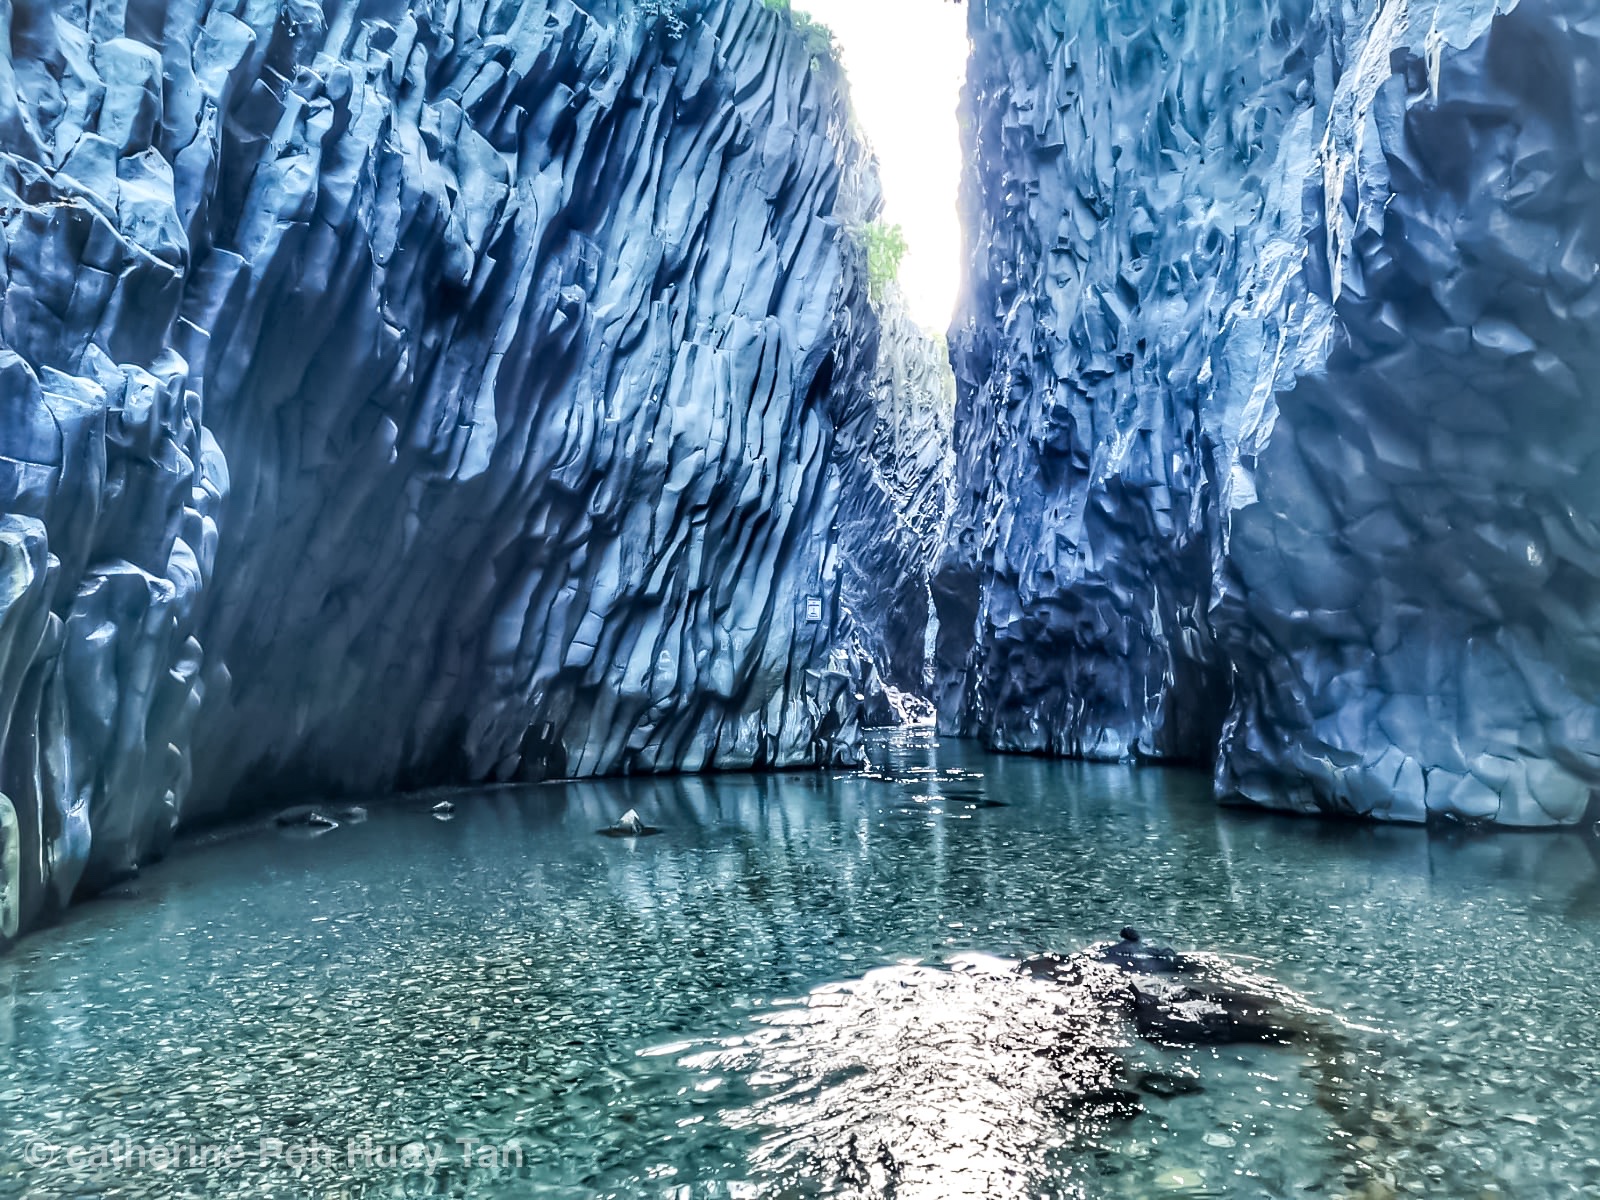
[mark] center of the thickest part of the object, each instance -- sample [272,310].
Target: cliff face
[404,391]
[892,522]
[1278,424]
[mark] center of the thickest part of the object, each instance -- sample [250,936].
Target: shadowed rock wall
[1278,424]
[402,391]
[892,521]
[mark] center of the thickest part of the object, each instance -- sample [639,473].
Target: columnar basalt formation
[1278,426]
[893,519]
[402,391]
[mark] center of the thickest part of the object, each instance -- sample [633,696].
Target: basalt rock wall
[410,391]
[1279,418]
[896,507]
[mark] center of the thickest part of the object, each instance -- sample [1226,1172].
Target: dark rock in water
[1174,999]
[1058,968]
[922,792]
[1167,1085]
[1200,1015]
[305,817]
[630,826]
[961,1075]
[1108,1104]
[1279,400]
[416,392]
[1140,957]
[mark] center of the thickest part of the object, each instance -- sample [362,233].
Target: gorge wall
[412,391]
[893,518]
[1279,420]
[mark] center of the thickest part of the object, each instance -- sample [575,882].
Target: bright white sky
[907,60]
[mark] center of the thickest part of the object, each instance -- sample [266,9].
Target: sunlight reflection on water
[498,976]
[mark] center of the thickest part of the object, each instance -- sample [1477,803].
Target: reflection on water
[918,1081]
[510,977]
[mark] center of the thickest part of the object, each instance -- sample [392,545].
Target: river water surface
[803,986]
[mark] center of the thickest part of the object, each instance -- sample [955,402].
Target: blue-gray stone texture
[396,392]
[1278,435]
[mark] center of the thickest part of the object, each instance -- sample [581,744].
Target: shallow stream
[803,986]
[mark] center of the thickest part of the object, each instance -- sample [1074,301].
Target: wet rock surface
[408,393]
[1277,383]
[947,1079]
[922,1077]
[1178,999]
[629,825]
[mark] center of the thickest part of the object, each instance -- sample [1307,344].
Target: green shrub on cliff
[886,247]
[670,14]
[817,36]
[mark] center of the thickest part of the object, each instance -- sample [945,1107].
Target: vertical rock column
[1105,241]
[896,503]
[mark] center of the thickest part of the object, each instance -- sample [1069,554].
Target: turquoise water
[801,987]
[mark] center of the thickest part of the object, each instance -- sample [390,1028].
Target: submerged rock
[1132,953]
[1166,1084]
[1178,999]
[968,1078]
[1208,1016]
[1280,400]
[949,1081]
